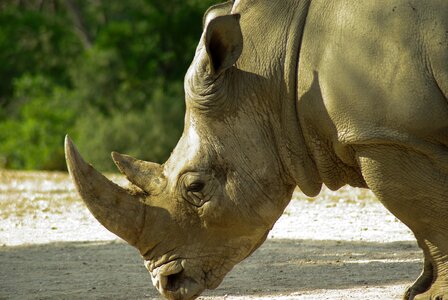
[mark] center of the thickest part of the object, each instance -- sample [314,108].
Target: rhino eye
[195,187]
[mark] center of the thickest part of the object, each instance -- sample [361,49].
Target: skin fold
[332,92]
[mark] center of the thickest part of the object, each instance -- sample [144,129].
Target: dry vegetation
[35,193]
[31,193]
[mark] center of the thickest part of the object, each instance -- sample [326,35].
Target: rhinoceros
[283,94]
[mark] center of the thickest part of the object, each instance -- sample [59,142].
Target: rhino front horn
[120,210]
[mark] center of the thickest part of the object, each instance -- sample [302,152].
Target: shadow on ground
[114,270]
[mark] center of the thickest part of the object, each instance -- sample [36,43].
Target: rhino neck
[292,147]
[270,53]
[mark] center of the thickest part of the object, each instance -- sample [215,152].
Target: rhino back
[376,72]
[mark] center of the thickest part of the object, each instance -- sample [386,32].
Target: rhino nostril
[173,282]
[178,286]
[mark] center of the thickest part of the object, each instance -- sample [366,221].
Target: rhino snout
[172,282]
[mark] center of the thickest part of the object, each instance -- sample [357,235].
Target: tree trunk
[78,21]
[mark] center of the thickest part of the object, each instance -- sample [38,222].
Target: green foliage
[147,133]
[109,73]
[32,136]
[34,43]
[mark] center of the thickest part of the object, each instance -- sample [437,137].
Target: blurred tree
[33,137]
[33,42]
[108,72]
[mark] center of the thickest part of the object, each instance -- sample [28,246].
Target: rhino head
[226,182]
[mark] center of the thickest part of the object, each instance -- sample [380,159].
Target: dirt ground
[341,245]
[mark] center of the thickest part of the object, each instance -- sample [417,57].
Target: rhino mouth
[172,281]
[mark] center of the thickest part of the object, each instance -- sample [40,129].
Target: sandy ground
[341,245]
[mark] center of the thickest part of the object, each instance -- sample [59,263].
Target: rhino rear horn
[146,175]
[120,210]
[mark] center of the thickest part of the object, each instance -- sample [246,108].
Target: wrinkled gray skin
[283,94]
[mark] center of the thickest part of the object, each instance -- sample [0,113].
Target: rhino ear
[220,9]
[223,42]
